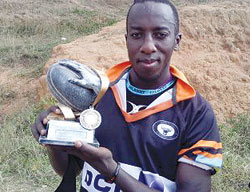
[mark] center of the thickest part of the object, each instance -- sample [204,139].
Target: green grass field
[28,32]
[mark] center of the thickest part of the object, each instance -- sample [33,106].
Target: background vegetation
[28,32]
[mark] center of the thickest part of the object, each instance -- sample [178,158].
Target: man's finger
[85,147]
[45,120]
[40,127]
[78,144]
[35,132]
[55,109]
[42,120]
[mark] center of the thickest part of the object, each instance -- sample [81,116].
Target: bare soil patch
[214,54]
[16,91]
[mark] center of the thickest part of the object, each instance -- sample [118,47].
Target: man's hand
[38,128]
[99,158]
[58,156]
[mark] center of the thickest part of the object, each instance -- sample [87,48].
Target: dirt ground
[214,53]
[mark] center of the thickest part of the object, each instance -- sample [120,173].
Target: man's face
[151,40]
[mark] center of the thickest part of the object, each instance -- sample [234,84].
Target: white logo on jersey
[165,130]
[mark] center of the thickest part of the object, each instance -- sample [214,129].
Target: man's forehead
[166,25]
[151,10]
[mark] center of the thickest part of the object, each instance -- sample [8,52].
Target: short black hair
[176,16]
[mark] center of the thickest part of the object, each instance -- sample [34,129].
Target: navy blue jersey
[178,126]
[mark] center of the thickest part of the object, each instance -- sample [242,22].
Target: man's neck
[155,83]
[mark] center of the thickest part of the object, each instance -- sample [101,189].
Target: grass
[28,32]
[235,175]
[26,39]
[21,156]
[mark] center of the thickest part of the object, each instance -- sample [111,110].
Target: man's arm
[190,178]
[58,159]
[128,184]
[57,154]
[101,159]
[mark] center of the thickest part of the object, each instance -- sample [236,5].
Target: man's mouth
[147,61]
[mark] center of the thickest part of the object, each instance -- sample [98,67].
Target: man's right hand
[38,128]
[57,154]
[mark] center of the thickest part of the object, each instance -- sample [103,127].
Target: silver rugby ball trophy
[77,88]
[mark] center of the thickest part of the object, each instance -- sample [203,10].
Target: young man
[163,134]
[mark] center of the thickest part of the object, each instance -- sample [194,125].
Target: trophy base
[65,133]
[44,140]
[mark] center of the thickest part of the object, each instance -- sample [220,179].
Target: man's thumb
[78,144]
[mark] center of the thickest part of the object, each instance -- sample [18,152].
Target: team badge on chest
[165,130]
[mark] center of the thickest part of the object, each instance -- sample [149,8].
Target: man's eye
[136,35]
[161,35]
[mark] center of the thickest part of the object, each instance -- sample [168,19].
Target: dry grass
[22,159]
[29,29]
[28,32]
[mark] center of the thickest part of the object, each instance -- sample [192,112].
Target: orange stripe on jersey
[185,156]
[147,112]
[202,143]
[141,114]
[209,155]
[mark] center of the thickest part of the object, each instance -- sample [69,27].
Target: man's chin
[149,78]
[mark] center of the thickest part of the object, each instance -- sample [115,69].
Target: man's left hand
[99,158]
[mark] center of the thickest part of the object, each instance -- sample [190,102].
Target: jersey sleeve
[201,145]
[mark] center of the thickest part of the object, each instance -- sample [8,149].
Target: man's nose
[148,45]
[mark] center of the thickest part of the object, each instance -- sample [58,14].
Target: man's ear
[177,41]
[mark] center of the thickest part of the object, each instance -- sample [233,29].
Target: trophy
[77,88]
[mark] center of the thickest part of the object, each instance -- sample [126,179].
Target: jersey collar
[184,90]
[116,74]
